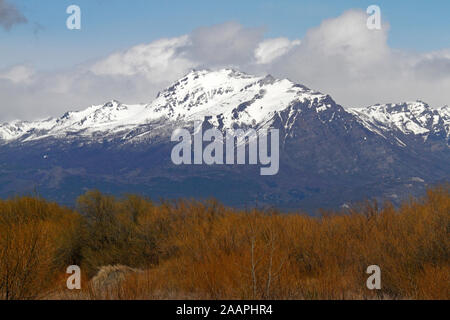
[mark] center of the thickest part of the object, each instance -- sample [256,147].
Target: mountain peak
[410,118]
[224,73]
[234,96]
[112,103]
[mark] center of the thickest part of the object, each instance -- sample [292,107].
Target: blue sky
[110,25]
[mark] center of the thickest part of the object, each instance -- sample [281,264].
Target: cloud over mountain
[340,56]
[356,65]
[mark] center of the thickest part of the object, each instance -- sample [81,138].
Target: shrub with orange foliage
[203,250]
[37,239]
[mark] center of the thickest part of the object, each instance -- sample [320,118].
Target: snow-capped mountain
[406,119]
[226,96]
[328,155]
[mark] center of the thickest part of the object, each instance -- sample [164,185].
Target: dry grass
[193,250]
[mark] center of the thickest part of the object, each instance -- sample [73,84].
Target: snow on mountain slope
[410,118]
[235,96]
[226,95]
[108,117]
[445,114]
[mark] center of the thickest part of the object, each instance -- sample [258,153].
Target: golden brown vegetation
[37,239]
[202,250]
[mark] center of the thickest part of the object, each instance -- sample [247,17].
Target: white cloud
[159,61]
[227,44]
[18,74]
[166,59]
[271,49]
[356,66]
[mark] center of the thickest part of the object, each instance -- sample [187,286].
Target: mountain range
[330,156]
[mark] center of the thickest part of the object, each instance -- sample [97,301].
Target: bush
[37,240]
[202,250]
